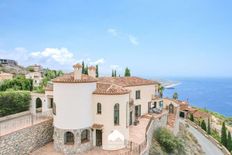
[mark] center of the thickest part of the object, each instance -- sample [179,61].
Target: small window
[54,108]
[137,94]
[69,138]
[84,136]
[98,108]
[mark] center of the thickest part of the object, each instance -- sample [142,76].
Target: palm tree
[175,96]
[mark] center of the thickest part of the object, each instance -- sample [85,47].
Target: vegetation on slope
[12,102]
[17,83]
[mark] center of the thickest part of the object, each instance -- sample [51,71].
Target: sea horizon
[211,93]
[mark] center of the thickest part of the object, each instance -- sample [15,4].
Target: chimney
[92,71]
[77,71]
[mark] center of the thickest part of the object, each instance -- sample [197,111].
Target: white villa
[98,112]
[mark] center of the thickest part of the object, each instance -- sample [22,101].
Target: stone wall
[155,124]
[77,147]
[27,140]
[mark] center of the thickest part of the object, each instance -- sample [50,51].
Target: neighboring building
[36,74]
[6,76]
[8,62]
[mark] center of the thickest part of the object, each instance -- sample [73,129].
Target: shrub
[12,102]
[18,83]
[203,125]
[168,141]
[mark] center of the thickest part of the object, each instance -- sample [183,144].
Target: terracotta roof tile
[97,126]
[110,89]
[69,78]
[127,81]
[201,114]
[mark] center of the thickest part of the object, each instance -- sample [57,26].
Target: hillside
[14,69]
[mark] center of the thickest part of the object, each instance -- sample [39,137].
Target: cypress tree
[115,73]
[97,74]
[83,67]
[209,127]
[203,125]
[223,135]
[229,142]
[112,73]
[86,70]
[127,72]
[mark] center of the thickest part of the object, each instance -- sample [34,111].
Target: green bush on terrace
[168,142]
[12,102]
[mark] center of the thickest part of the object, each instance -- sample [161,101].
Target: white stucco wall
[107,118]
[73,105]
[146,93]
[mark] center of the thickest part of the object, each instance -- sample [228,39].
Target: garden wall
[28,139]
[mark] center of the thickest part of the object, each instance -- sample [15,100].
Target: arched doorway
[38,105]
[171,108]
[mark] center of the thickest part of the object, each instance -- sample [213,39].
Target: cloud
[113,32]
[133,40]
[99,61]
[53,58]
[59,55]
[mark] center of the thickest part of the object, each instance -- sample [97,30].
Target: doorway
[98,137]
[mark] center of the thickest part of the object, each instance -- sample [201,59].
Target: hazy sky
[153,38]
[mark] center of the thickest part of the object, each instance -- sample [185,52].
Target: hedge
[12,102]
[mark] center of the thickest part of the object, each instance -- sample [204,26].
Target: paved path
[207,146]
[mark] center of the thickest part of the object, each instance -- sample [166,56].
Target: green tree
[175,96]
[224,135]
[161,90]
[97,74]
[191,117]
[12,102]
[127,72]
[112,73]
[86,70]
[209,127]
[83,67]
[203,125]
[168,141]
[229,142]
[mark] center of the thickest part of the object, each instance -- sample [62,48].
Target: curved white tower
[73,115]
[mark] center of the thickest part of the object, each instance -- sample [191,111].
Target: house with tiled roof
[98,112]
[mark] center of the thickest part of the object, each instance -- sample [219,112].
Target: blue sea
[210,93]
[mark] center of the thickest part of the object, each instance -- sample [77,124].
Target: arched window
[38,105]
[38,102]
[68,138]
[98,108]
[171,108]
[116,114]
[54,108]
[84,136]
